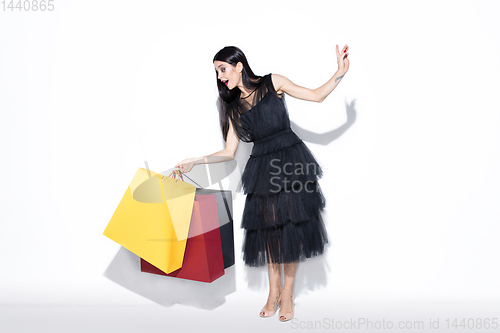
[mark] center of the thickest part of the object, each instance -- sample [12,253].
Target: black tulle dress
[282,214]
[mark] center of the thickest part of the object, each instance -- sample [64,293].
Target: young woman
[282,214]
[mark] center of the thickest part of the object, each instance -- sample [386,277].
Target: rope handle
[176,173]
[179,173]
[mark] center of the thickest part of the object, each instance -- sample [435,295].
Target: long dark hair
[232,55]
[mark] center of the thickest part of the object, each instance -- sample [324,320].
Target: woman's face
[227,73]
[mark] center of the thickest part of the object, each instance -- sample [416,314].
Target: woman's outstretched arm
[225,154]
[283,84]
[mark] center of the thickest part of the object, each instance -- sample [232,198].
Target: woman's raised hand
[342,60]
[185,165]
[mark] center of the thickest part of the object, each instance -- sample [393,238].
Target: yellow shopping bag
[153,217]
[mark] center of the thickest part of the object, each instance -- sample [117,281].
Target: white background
[409,142]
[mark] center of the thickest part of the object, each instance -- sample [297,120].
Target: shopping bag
[225,214]
[152,219]
[203,260]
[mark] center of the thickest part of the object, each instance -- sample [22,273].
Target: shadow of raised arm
[327,137]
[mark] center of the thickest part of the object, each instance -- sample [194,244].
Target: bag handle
[228,211]
[179,174]
[176,173]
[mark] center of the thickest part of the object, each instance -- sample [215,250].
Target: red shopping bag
[225,212]
[203,260]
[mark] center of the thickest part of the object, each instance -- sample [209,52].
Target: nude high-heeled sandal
[266,313]
[287,316]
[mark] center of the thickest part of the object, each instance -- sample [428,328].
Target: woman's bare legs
[274,285]
[286,295]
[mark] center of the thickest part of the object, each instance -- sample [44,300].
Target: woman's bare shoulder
[278,80]
[283,85]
